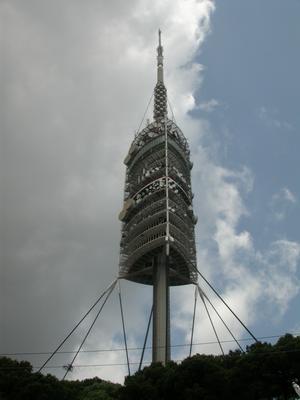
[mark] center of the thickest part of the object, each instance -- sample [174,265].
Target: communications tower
[158,243]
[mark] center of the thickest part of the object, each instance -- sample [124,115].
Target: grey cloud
[74,89]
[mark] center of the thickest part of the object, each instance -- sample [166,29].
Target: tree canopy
[262,372]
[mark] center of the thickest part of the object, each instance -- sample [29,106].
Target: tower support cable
[124,330]
[224,323]
[223,301]
[70,366]
[211,321]
[193,323]
[146,338]
[145,113]
[76,326]
[171,109]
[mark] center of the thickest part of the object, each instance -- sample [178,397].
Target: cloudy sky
[75,83]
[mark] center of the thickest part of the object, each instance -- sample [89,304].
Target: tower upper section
[158,210]
[160,91]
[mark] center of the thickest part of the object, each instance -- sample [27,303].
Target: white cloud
[256,284]
[287,195]
[281,203]
[279,273]
[270,119]
[209,105]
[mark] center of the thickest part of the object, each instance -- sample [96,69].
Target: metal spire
[160,92]
[160,58]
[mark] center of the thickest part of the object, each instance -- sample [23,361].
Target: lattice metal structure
[158,242]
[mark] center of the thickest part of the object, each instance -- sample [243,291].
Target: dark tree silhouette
[263,372]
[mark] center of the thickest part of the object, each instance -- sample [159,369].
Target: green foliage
[96,389]
[18,382]
[263,372]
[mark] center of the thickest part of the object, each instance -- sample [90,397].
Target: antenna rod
[160,58]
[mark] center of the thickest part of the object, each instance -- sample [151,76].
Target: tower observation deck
[157,241]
